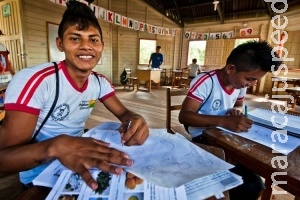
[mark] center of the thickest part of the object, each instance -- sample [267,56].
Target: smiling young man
[31,94]
[213,98]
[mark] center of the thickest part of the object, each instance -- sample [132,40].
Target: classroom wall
[121,44]
[260,29]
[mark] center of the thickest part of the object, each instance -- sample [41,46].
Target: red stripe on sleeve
[28,87]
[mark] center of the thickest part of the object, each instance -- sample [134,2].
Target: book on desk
[278,131]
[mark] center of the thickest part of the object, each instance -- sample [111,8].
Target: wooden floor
[152,106]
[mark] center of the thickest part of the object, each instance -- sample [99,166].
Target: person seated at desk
[30,96]
[214,97]
[194,69]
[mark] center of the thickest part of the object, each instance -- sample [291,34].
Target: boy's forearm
[24,157]
[199,120]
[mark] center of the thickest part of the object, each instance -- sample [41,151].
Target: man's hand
[233,111]
[135,131]
[79,154]
[238,123]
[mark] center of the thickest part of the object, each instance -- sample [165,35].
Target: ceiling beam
[216,15]
[221,11]
[163,12]
[204,2]
[178,13]
[270,11]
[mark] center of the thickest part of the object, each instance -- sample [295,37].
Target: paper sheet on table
[269,138]
[164,159]
[70,184]
[49,176]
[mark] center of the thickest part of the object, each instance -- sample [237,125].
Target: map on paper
[177,170]
[174,162]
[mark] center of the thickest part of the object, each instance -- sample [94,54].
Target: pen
[246,111]
[123,141]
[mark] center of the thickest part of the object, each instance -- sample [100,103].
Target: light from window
[146,48]
[196,50]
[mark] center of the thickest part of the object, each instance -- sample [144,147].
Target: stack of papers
[267,134]
[177,170]
[276,120]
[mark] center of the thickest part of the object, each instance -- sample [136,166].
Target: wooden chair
[176,75]
[185,80]
[172,107]
[132,80]
[164,79]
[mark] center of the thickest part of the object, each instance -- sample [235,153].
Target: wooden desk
[258,158]
[148,75]
[276,80]
[295,92]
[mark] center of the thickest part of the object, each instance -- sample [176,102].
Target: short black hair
[194,60]
[252,55]
[158,47]
[78,13]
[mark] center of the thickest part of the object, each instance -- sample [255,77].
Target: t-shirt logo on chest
[87,104]
[60,112]
[216,104]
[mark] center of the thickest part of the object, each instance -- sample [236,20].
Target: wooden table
[258,158]
[276,80]
[295,92]
[148,75]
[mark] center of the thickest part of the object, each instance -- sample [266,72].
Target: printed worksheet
[112,187]
[167,160]
[276,120]
[195,173]
[278,141]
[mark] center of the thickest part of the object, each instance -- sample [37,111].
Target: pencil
[246,111]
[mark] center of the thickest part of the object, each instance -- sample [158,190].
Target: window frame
[148,52]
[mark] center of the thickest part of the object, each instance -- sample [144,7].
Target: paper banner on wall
[102,13]
[110,16]
[61,2]
[118,19]
[227,35]
[202,36]
[193,35]
[174,32]
[246,31]
[187,34]
[214,36]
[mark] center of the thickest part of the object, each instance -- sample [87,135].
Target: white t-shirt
[194,68]
[220,100]
[32,90]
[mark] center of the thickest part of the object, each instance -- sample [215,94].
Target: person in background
[156,59]
[31,93]
[214,98]
[194,69]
